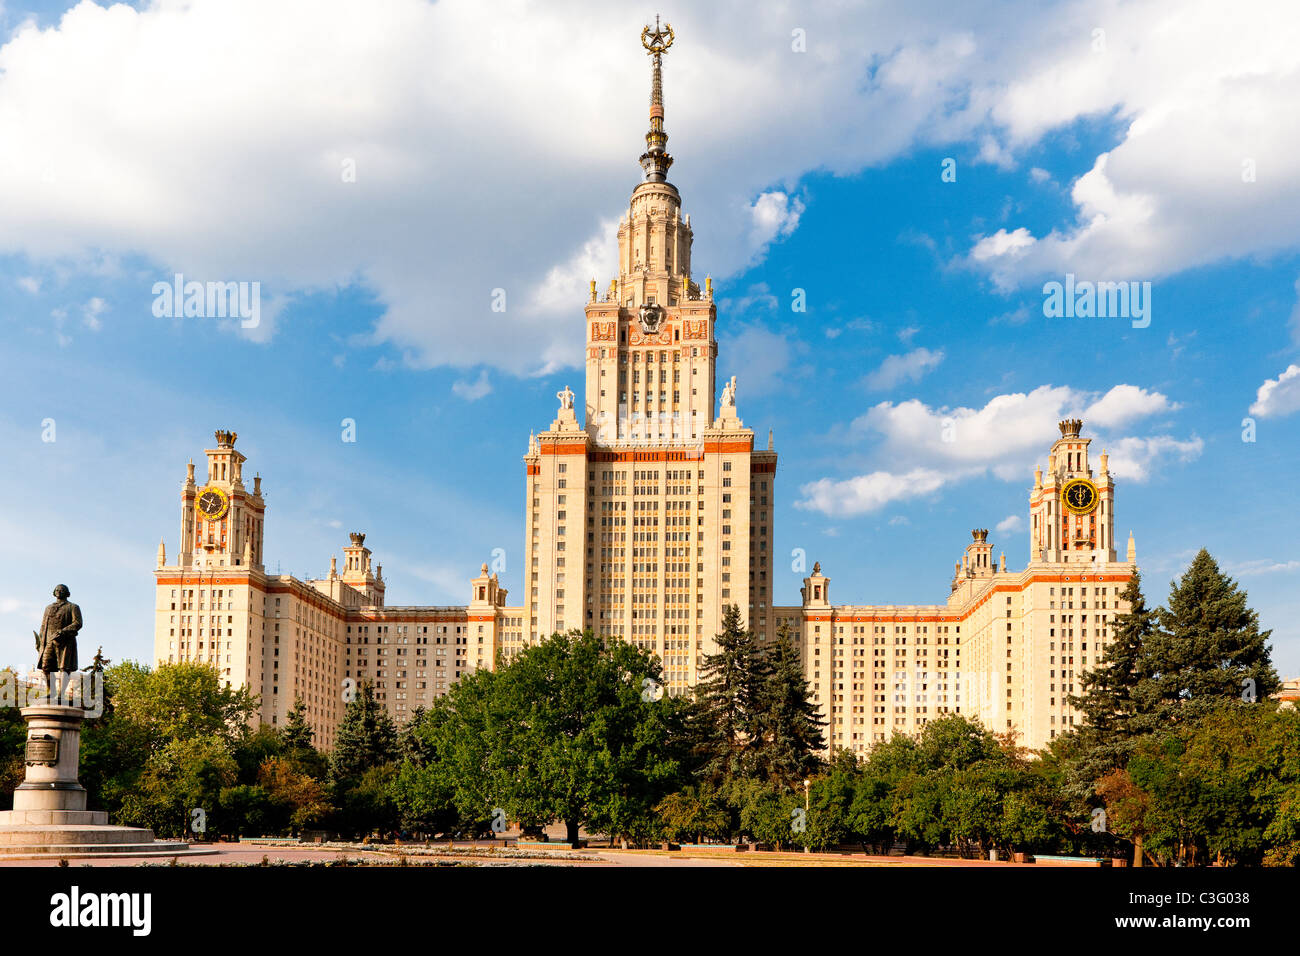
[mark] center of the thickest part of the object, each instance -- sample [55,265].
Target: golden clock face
[1079,496]
[212,503]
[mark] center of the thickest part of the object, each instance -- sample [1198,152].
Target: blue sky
[208,138]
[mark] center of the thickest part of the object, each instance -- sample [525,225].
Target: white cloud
[473,391]
[29,284]
[1003,438]
[1184,81]
[864,493]
[1278,396]
[1126,403]
[1010,524]
[1262,566]
[1135,458]
[775,216]
[903,368]
[1002,244]
[91,311]
[212,137]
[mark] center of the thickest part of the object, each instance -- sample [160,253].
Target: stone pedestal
[53,757]
[49,817]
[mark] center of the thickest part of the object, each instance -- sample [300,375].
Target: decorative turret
[1070,427]
[816,590]
[162,553]
[357,573]
[977,562]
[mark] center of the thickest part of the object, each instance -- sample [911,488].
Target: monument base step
[75,851]
[24,818]
[71,835]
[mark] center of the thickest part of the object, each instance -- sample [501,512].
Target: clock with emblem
[212,503]
[1079,496]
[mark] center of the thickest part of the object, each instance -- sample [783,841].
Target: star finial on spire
[655,160]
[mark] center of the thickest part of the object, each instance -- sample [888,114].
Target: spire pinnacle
[655,160]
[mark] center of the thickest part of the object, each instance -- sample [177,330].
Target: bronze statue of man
[57,641]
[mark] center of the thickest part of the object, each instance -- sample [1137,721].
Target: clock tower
[1071,508]
[221,520]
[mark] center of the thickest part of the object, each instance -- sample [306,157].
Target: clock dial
[1079,496]
[212,503]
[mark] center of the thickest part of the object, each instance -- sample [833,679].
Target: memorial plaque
[43,750]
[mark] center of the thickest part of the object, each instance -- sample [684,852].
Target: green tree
[1220,786]
[564,731]
[367,803]
[366,737]
[1110,701]
[888,765]
[768,814]
[183,776]
[1209,647]
[726,718]
[295,800]
[297,743]
[424,789]
[179,702]
[790,728]
[830,803]
[246,811]
[694,813]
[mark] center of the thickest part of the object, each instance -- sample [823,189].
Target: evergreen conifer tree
[1208,648]
[790,725]
[367,736]
[728,702]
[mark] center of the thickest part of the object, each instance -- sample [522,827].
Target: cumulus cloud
[433,153]
[775,216]
[1003,438]
[1278,396]
[1135,458]
[1125,403]
[864,493]
[91,311]
[1010,524]
[1186,83]
[910,367]
[473,391]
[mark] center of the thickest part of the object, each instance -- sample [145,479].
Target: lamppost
[806,785]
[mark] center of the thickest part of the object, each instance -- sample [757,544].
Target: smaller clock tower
[221,520]
[1071,509]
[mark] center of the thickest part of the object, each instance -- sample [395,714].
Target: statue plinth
[53,755]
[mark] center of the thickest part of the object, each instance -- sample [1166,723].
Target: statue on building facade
[729,393]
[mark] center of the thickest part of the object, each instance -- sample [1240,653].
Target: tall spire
[655,160]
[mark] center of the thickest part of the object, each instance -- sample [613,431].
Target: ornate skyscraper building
[649,511]
[649,514]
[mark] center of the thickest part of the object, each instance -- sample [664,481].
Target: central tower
[651,352]
[654,513]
